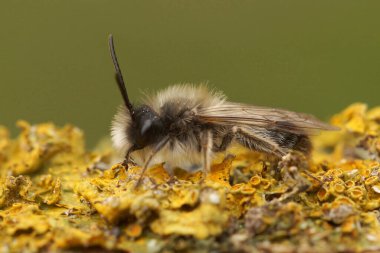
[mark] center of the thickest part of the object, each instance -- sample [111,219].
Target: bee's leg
[258,142]
[206,143]
[125,163]
[128,160]
[226,141]
[155,150]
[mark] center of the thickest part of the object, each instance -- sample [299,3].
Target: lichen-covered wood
[57,197]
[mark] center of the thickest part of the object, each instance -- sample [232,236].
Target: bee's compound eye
[148,127]
[145,126]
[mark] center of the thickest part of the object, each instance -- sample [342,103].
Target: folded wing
[238,114]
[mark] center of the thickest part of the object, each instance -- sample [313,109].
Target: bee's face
[147,127]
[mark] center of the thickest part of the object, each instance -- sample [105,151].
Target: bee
[184,125]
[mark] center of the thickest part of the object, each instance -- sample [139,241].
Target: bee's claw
[125,164]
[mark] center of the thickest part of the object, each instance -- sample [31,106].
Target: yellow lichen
[56,196]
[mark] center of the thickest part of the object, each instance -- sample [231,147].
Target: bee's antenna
[119,76]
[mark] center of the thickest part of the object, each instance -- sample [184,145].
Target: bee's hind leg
[258,143]
[226,141]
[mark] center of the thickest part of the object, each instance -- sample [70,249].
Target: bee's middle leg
[206,147]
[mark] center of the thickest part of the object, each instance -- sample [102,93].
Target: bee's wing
[237,114]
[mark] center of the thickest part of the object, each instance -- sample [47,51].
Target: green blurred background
[310,56]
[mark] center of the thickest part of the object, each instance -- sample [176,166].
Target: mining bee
[184,125]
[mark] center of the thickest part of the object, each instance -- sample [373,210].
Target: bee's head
[133,128]
[135,131]
[147,127]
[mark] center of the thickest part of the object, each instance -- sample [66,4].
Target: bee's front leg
[125,163]
[128,160]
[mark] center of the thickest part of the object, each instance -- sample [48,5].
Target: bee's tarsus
[313,177]
[125,164]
